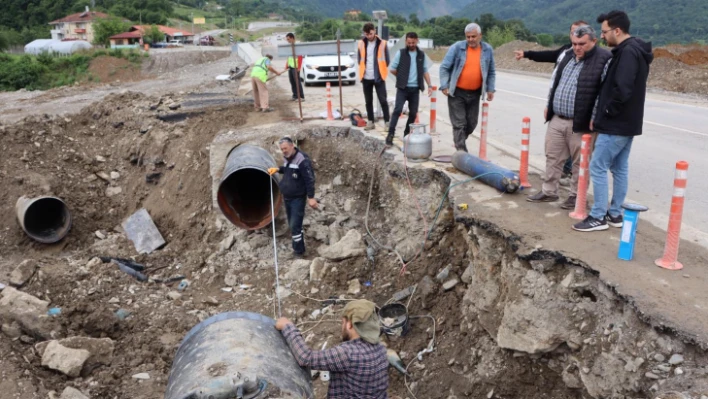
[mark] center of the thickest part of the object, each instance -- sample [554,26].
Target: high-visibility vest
[260,69]
[291,62]
[380,58]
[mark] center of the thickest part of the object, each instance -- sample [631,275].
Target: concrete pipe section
[236,355]
[244,191]
[44,219]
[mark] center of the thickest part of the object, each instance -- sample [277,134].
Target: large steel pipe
[44,219]
[236,355]
[244,191]
[490,174]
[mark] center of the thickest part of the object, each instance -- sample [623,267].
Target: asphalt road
[675,129]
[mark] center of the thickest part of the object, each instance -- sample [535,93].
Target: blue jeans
[611,152]
[295,209]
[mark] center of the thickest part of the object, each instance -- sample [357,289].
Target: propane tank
[418,145]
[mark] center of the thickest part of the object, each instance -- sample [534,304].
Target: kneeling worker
[358,366]
[297,187]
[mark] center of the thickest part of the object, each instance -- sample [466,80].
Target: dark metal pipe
[236,355]
[499,178]
[44,219]
[244,191]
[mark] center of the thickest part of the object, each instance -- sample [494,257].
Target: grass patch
[46,71]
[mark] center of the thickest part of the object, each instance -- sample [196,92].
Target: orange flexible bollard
[525,140]
[433,110]
[581,202]
[483,132]
[330,116]
[673,232]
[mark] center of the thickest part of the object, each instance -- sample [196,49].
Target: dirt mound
[676,68]
[504,57]
[168,60]
[111,69]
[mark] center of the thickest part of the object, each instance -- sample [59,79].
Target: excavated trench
[532,325]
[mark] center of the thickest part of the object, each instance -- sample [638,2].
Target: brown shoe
[541,197]
[569,203]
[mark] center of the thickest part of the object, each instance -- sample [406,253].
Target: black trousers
[294,82]
[369,98]
[295,209]
[412,95]
[464,114]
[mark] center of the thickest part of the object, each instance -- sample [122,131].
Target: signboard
[199,20]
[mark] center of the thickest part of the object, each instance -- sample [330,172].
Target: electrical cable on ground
[419,356]
[275,247]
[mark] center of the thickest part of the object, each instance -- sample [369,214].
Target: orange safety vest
[380,58]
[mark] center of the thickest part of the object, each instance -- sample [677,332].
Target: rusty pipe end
[45,219]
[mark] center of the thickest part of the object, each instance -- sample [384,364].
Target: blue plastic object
[489,173]
[54,311]
[629,230]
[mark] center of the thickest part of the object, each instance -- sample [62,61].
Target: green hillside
[425,8]
[659,21]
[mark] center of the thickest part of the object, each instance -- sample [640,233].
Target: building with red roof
[77,26]
[132,38]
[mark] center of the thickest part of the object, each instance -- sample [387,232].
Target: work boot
[370,126]
[389,140]
[569,203]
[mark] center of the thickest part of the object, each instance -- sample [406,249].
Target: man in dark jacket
[297,187]
[618,117]
[410,69]
[576,82]
[552,56]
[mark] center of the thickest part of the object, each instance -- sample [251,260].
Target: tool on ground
[581,200]
[275,248]
[488,173]
[433,111]
[356,118]
[629,230]
[673,233]
[483,132]
[297,79]
[127,268]
[525,140]
[395,361]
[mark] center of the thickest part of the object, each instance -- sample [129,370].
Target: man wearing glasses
[618,117]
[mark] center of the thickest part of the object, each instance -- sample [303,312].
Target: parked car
[323,68]
[159,45]
[175,43]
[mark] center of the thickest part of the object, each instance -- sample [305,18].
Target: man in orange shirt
[466,72]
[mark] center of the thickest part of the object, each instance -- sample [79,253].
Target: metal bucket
[44,219]
[244,191]
[394,319]
[236,355]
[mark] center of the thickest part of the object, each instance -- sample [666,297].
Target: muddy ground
[505,323]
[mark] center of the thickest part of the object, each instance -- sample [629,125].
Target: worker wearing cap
[358,366]
[297,187]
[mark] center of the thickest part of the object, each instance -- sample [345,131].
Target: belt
[564,117]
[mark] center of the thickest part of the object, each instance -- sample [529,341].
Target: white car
[323,68]
[175,43]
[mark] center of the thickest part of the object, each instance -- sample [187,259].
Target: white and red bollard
[673,233]
[581,201]
[483,132]
[433,110]
[330,116]
[525,140]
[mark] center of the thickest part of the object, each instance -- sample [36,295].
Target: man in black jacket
[576,82]
[618,117]
[552,56]
[297,187]
[409,67]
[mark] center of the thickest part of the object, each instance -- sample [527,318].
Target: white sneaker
[370,126]
[387,125]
